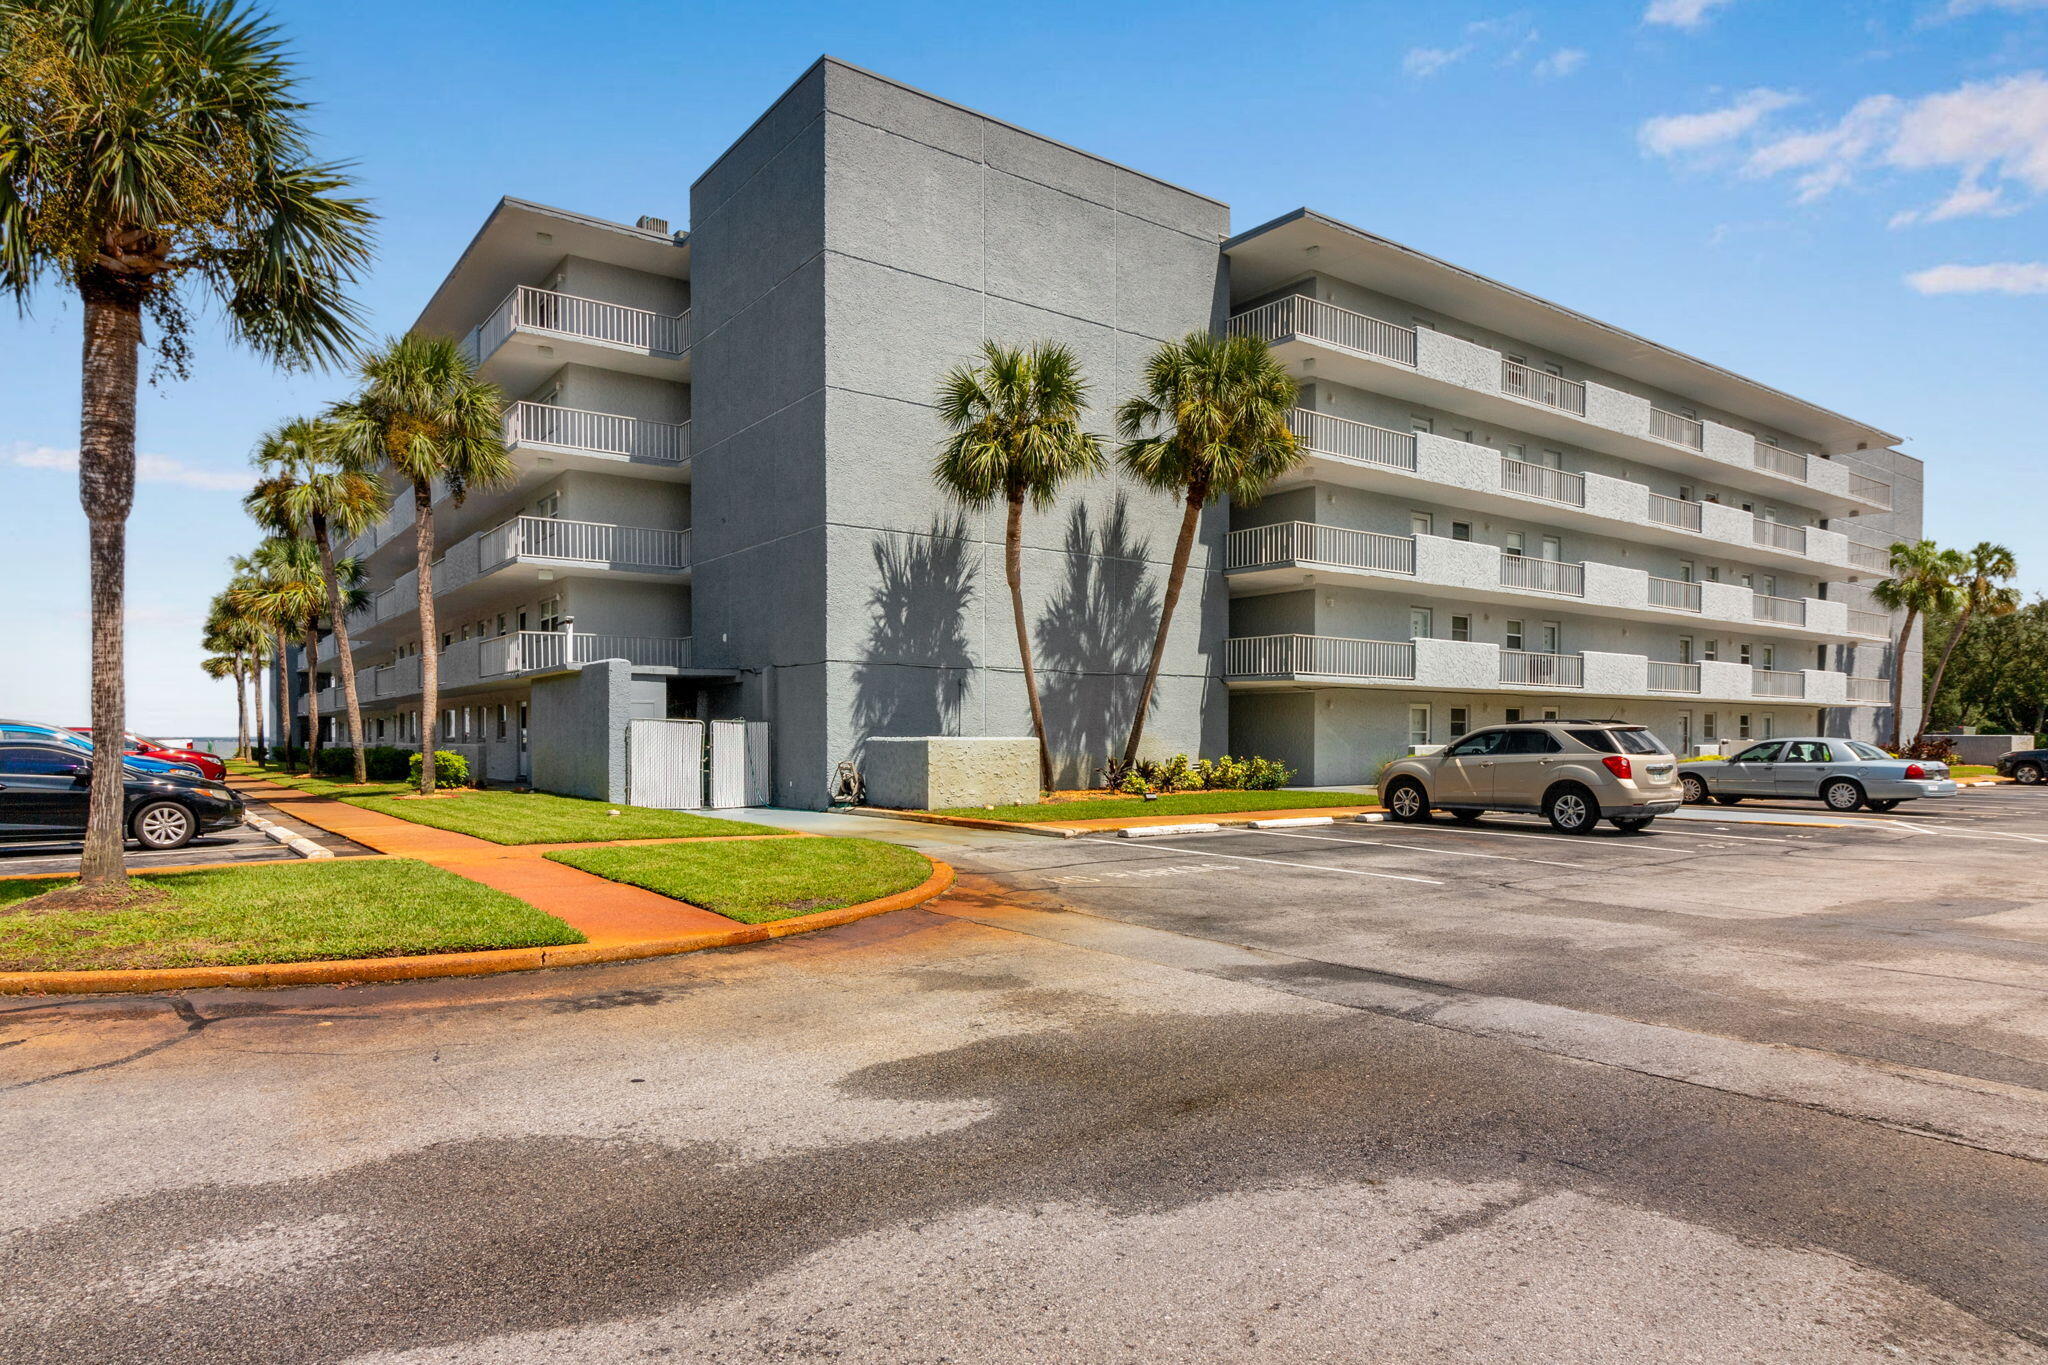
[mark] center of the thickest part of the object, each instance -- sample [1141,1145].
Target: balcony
[1778,682]
[1869,559]
[1435,367]
[1287,556]
[1877,691]
[535,331]
[1286,662]
[1410,464]
[531,651]
[577,431]
[1871,625]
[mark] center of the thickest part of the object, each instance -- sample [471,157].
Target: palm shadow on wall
[1093,641]
[914,670]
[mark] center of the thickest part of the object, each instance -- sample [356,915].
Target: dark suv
[2028,767]
[44,789]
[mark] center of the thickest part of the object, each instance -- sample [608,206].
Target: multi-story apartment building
[723,505]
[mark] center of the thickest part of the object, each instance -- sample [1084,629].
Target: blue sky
[1842,200]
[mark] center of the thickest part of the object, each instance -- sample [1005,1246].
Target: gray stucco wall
[577,742]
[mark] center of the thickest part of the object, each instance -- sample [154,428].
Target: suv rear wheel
[164,824]
[1407,802]
[1570,809]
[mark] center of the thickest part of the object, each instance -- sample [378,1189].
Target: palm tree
[293,596]
[424,415]
[306,490]
[1982,588]
[1017,438]
[236,640]
[1922,582]
[1211,422]
[219,666]
[152,156]
[267,590]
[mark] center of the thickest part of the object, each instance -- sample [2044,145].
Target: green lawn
[1176,803]
[506,817]
[1963,770]
[280,912]
[758,881]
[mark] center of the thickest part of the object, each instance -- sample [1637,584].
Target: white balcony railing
[1777,682]
[1362,442]
[544,310]
[1874,625]
[600,433]
[1864,488]
[583,542]
[1679,512]
[1541,386]
[1300,316]
[1869,559]
[1789,611]
[1541,481]
[1778,535]
[1542,575]
[1675,593]
[1666,677]
[1531,669]
[1778,460]
[1302,542]
[527,650]
[1287,656]
[1678,429]
[1871,689]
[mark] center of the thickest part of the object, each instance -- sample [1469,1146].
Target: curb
[958,821]
[1164,831]
[1295,822]
[297,843]
[356,971]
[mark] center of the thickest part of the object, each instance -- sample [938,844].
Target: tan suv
[1572,772]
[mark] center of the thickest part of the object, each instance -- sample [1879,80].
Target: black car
[43,791]
[2028,767]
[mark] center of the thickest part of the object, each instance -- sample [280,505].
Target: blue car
[48,734]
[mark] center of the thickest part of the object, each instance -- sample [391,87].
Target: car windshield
[1868,751]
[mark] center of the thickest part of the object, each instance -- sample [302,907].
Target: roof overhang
[1278,253]
[520,241]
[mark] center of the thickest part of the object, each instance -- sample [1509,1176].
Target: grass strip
[275,912]
[1175,803]
[759,881]
[506,817]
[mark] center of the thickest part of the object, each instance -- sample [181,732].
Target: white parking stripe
[1424,848]
[1275,862]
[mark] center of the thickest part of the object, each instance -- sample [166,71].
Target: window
[1530,742]
[447,725]
[1461,628]
[1551,459]
[1768,585]
[28,761]
[501,623]
[1713,573]
[1420,623]
[1514,714]
[447,639]
[1460,721]
[522,618]
[1550,713]
[1707,727]
[1465,434]
[1516,452]
[1514,634]
[1869,751]
[548,504]
[1711,651]
[1685,493]
[551,614]
[501,720]
[1421,524]
[1685,649]
[1514,544]
[1418,725]
[1461,530]
[1809,751]
[1631,739]
[1485,742]
[1742,725]
[1421,425]
[1770,726]
[1743,654]
[465,630]
[1756,753]
[1769,656]
[1686,572]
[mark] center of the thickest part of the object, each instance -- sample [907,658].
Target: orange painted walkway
[607,913]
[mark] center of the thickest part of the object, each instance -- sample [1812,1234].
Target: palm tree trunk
[241,709]
[106,489]
[1934,688]
[256,695]
[1183,549]
[280,677]
[341,650]
[1899,679]
[1013,570]
[312,637]
[430,639]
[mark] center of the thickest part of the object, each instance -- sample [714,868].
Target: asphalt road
[1725,1091]
[241,844]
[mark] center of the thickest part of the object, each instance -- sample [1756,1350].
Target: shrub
[1931,751]
[335,762]
[450,769]
[1265,774]
[1182,774]
[387,763]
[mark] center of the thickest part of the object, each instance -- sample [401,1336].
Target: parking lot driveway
[242,844]
[1920,938]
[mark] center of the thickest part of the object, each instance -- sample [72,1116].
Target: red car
[209,766]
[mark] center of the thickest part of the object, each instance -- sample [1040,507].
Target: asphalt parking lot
[242,844]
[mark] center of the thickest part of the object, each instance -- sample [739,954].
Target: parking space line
[1371,842]
[1304,867]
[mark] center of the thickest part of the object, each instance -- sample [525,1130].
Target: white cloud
[1962,7]
[1992,136]
[1562,62]
[1672,134]
[148,469]
[1427,61]
[2005,277]
[1685,14]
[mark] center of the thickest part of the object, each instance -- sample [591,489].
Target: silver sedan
[1842,773]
